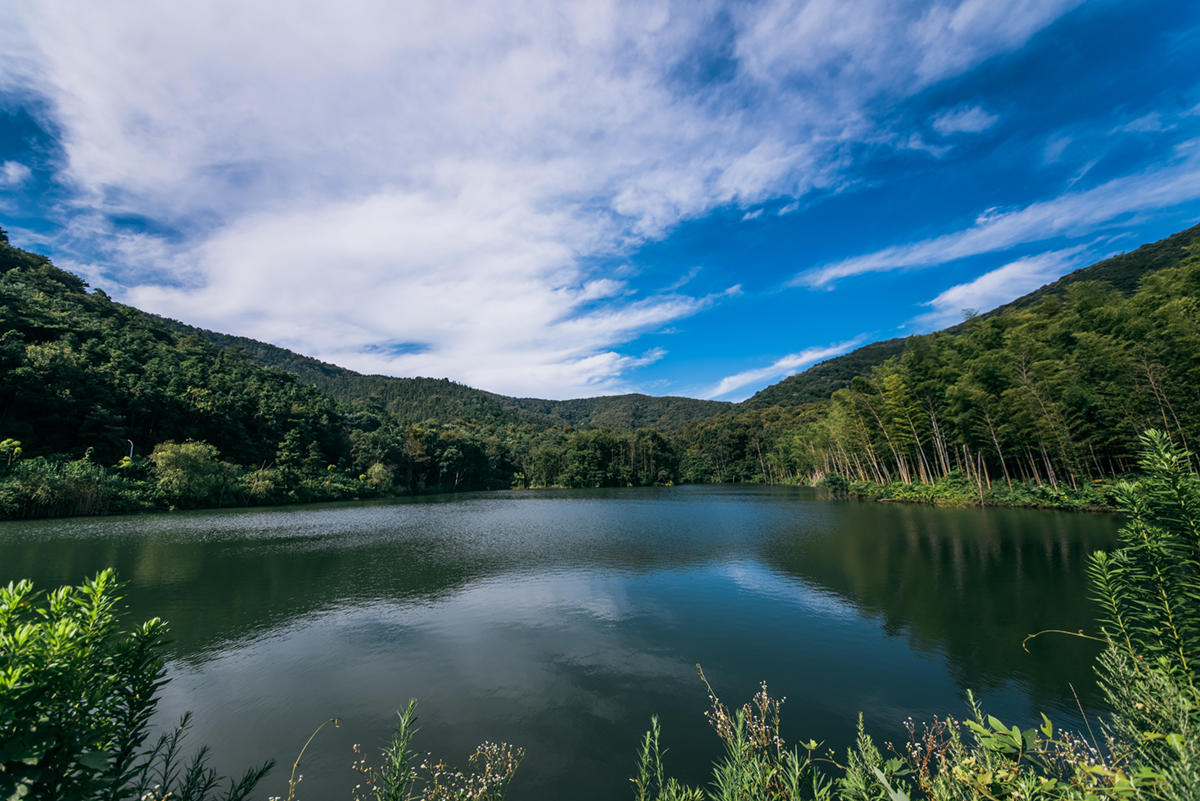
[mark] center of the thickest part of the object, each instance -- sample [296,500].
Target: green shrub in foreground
[76,697]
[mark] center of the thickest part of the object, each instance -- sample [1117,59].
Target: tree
[189,473]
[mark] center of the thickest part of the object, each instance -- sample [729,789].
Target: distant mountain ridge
[416,399]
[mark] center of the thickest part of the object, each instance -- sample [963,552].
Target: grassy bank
[957,489]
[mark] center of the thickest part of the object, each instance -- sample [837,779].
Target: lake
[562,620]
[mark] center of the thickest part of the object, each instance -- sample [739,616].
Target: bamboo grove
[1055,395]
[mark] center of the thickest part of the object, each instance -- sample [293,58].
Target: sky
[574,199]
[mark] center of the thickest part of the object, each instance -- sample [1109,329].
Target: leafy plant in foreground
[76,698]
[1149,591]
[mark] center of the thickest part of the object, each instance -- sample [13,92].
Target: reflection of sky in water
[562,621]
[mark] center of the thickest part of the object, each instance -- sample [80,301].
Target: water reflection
[561,621]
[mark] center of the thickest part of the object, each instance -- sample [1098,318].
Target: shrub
[190,474]
[76,697]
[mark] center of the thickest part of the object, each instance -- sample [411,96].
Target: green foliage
[189,473]
[76,697]
[42,487]
[1149,593]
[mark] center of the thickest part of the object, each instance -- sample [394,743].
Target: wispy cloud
[917,142]
[1148,123]
[997,287]
[13,173]
[752,215]
[964,119]
[683,280]
[780,368]
[450,179]
[1067,215]
[1054,148]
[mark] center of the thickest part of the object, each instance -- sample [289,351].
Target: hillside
[1122,272]
[822,380]
[412,400]
[79,371]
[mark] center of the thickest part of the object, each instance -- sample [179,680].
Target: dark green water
[561,621]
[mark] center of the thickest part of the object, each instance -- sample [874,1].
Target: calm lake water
[562,620]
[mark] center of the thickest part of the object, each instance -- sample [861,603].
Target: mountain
[627,412]
[1122,272]
[415,399]
[79,372]
[822,380]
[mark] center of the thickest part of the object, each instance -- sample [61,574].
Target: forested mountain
[1051,392]
[80,371]
[106,408]
[1121,272]
[822,380]
[627,412]
[412,400]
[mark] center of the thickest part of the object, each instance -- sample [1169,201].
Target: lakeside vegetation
[106,409]
[77,693]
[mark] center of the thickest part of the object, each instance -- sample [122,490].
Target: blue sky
[563,200]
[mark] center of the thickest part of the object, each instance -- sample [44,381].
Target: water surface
[562,620]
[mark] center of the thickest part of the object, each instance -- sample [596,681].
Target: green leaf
[96,760]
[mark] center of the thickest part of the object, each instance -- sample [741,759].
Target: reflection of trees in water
[967,583]
[970,584]
[212,591]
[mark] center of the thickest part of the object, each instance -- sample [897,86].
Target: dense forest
[104,408]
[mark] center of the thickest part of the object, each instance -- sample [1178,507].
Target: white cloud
[780,368]
[13,173]
[917,142]
[882,46]
[997,287]
[788,208]
[360,173]
[1149,123]
[752,215]
[1054,148]
[964,119]
[684,279]
[1067,215]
